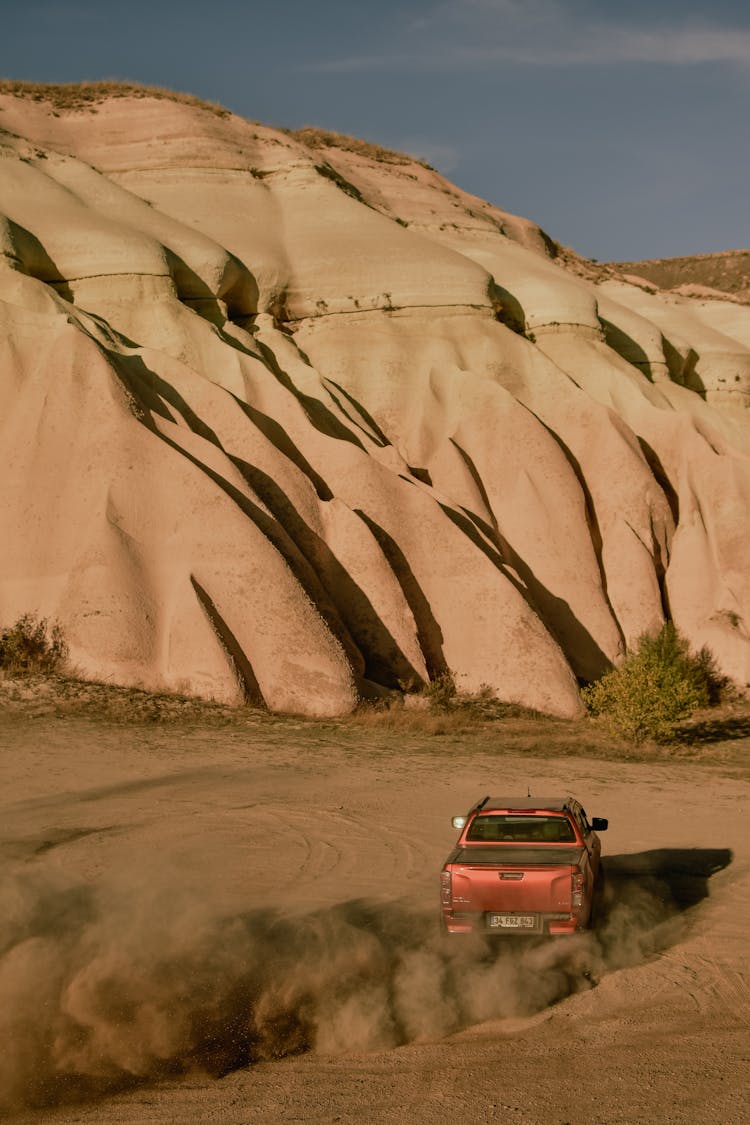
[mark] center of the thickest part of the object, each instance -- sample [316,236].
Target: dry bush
[400,719]
[443,696]
[441,693]
[32,647]
[440,708]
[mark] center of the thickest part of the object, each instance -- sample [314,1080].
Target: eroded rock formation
[292,418]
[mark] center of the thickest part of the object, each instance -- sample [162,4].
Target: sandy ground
[243,918]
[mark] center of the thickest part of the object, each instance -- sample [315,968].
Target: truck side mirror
[459,821]
[599,823]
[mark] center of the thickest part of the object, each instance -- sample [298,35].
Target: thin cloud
[543,33]
[688,47]
[356,63]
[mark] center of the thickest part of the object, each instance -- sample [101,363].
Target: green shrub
[656,686]
[32,646]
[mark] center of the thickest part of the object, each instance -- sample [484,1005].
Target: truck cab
[523,866]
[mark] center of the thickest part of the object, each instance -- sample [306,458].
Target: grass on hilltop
[324,138]
[71,96]
[80,96]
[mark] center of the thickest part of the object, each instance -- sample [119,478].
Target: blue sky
[621,127]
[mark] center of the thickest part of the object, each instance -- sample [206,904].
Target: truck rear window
[499,828]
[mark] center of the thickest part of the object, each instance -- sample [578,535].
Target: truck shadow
[677,877]
[641,911]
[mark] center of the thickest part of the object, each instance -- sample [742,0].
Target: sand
[237,922]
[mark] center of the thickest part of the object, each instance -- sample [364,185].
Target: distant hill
[727,272]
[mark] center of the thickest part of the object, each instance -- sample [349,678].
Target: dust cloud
[108,985]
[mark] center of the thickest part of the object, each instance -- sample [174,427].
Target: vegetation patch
[341,183]
[660,685]
[70,96]
[322,138]
[36,682]
[32,647]
[440,708]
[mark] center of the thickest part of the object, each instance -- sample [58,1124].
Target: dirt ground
[236,922]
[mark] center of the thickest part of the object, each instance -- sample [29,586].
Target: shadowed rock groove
[370,648]
[242,666]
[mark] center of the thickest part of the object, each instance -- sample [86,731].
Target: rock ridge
[275,439]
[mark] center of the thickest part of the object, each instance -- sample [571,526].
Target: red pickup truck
[523,865]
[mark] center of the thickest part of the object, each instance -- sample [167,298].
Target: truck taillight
[576,897]
[446,890]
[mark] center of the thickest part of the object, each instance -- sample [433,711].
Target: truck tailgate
[543,888]
[513,879]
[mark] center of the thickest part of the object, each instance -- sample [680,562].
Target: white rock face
[299,422]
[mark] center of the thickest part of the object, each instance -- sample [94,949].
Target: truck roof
[550,804]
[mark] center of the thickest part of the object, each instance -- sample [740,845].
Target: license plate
[511,922]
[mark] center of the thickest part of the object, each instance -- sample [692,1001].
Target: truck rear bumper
[489,925]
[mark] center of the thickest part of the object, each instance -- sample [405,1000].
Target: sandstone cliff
[291,418]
